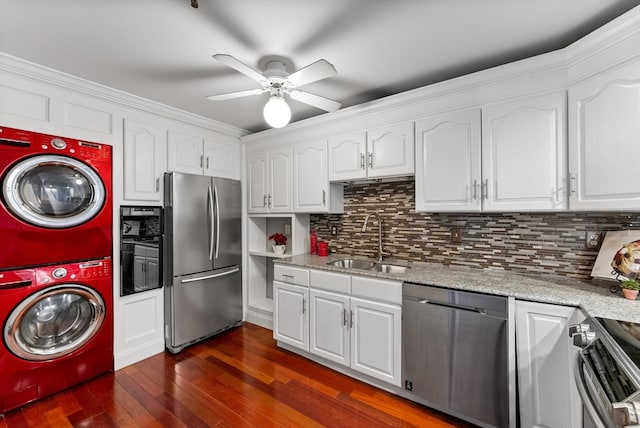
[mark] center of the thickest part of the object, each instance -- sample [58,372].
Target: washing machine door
[53,191]
[54,322]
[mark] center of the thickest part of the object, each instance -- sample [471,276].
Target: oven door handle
[585,396]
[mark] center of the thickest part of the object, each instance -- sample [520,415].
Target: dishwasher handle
[452,306]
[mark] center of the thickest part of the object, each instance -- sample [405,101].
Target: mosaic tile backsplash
[531,243]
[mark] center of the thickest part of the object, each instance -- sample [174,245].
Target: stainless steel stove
[608,372]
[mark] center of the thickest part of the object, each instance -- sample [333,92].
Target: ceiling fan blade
[319,70]
[315,100]
[232,95]
[241,67]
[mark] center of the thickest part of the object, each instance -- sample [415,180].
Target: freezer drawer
[201,305]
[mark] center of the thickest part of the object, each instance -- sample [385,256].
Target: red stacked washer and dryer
[56,292]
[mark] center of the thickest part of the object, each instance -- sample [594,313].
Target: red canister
[314,242]
[323,249]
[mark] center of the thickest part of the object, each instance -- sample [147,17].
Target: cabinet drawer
[291,275]
[330,281]
[379,289]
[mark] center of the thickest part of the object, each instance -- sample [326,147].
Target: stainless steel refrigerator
[203,254]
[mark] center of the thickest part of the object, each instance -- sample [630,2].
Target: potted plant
[281,242]
[630,288]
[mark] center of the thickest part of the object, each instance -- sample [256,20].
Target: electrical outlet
[593,239]
[334,229]
[287,229]
[456,235]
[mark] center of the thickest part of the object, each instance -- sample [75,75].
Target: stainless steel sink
[367,265]
[386,268]
[352,264]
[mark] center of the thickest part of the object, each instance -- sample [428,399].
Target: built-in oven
[607,373]
[140,249]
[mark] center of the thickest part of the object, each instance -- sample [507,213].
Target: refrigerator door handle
[215,275]
[217,205]
[211,234]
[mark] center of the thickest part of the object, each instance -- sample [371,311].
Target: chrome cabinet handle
[264,201]
[351,319]
[344,317]
[370,159]
[475,190]
[485,189]
[304,306]
[269,201]
[201,158]
[157,184]
[324,197]
[361,160]
[207,162]
[572,180]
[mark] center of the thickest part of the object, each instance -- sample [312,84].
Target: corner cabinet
[545,363]
[504,157]
[270,181]
[312,191]
[604,136]
[145,161]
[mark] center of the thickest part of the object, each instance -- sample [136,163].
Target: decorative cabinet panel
[219,157]
[185,153]
[269,181]
[381,152]
[291,317]
[604,136]
[448,162]
[545,364]
[145,161]
[505,157]
[311,189]
[329,326]
[524,154]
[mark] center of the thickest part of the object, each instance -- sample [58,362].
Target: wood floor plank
[237,379]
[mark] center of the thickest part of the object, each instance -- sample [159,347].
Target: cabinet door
[222,158]
[185,153]
[257,164]
[153,272]
[390,150]
[329,326]
[280,195]
[347,157]
[375,339]
[290,315]
[523,154]
[448,162]
[604,131]
[139,273]
[310,177]
[145,148]
[545,360]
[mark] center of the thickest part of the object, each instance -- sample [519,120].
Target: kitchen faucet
[364,229]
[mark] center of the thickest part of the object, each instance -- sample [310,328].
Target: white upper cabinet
[145,148]
[504,157]
[604,140]
[311,189]
[390,150]
[524,154]
[269,180]
[448,162]
[212,156]
[380,152]
[348,157]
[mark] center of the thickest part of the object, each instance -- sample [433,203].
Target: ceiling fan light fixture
[277,112]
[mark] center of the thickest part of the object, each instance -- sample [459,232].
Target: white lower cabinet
[362,332]
[545,362]
[290,316]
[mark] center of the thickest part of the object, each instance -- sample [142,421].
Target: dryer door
[53,191]
[54,322]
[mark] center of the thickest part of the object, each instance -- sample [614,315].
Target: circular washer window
[53,191]
[54,322]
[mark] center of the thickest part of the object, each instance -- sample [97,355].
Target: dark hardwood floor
[237,379]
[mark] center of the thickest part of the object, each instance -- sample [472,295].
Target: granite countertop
[595,299]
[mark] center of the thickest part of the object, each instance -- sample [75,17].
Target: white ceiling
[161,49]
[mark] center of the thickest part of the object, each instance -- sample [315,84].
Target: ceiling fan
[277,81]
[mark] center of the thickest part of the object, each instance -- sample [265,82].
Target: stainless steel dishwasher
[455,352]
